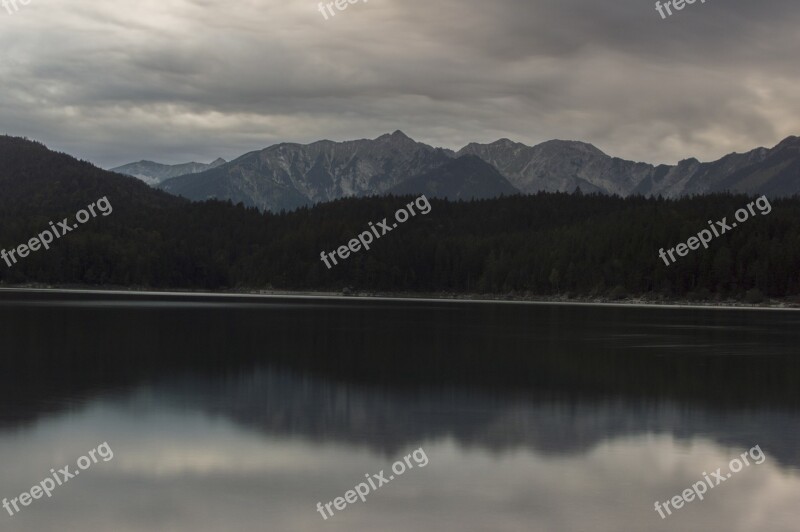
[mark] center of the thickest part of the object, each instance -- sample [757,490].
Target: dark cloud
[174,80]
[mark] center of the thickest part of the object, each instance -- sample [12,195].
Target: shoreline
[438,297]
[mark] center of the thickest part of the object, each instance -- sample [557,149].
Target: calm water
[241,414]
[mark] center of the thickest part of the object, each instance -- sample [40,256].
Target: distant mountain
[286,176]
[774,172]
[154,173]
[561,166]
[467,177]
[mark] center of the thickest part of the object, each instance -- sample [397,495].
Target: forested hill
[541,244]
[34,179]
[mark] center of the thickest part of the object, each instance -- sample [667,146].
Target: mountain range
[564,244]
[154,173]
[288,175]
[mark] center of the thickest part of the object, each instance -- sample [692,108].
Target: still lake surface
[237,413]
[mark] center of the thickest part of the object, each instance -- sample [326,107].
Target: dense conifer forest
[544,244]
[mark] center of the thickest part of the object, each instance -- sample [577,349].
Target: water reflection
[258,451]
[241,414]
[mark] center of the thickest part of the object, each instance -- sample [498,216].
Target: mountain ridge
[291,175]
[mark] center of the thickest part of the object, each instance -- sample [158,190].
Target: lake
[243,413]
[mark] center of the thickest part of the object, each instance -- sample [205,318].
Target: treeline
[539,245]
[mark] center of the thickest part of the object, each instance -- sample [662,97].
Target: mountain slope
[691,177]
[467,177]
[240,181]
[149,237]
[561,166]
[775,173]
[38,181]
[287,175]
[154,173]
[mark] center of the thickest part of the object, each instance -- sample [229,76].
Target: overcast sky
[176,80]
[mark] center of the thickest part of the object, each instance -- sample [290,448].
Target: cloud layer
[179,80]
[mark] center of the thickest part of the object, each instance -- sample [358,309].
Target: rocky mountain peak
[557,146]
[790,142]
[398,139]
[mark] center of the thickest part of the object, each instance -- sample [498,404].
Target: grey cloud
[179,80]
